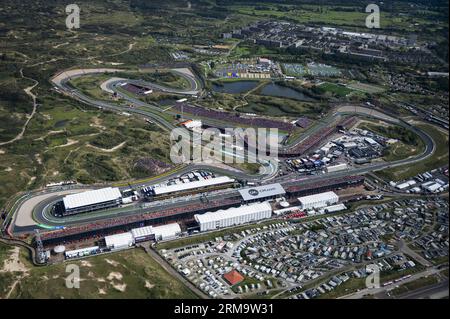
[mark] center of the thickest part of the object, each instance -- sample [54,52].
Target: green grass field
[58,142]
[438,159]
[366,88]
[6,278]
[408,143]
[343,15]
[126,274]
[414,285]
[4,253]
[335,89]
[90,85]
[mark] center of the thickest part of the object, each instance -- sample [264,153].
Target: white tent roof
[318,198]
[334,208]
[91,197]
[119,240]
[163,231]
[233,212]
[167,230]
[142,232]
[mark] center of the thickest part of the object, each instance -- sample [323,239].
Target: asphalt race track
[31,209]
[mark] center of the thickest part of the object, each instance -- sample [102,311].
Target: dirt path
[111,150]
[244,98]
[60,45]
[33,97]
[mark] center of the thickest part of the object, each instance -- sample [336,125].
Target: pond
[61,123]
[234,87]
[277,90]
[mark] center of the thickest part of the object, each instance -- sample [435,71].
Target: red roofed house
[233,277]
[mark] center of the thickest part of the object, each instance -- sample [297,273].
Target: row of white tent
[130,238]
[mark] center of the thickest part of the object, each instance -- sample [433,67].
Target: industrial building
[318,200]
[262,192]
[233,216]
[92,200]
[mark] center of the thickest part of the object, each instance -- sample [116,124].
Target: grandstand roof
[91,197]
[192,185]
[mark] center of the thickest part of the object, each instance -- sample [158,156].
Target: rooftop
[233,277]
[91,197]
[262,191]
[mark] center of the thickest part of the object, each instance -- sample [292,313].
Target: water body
[276,90]
[234,87]
[61,123]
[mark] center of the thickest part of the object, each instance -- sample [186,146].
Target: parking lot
[287,255]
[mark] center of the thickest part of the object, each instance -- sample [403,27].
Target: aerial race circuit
[33,210]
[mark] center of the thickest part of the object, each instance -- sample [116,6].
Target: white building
[157,233]
[333,208]
[92,200]
[192,124]
[233,216]
[349,145]
[142,234]
[168,231]
[318,200]
[371,141]
[337,168]
[431,186]
[405,185]
[119,241]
